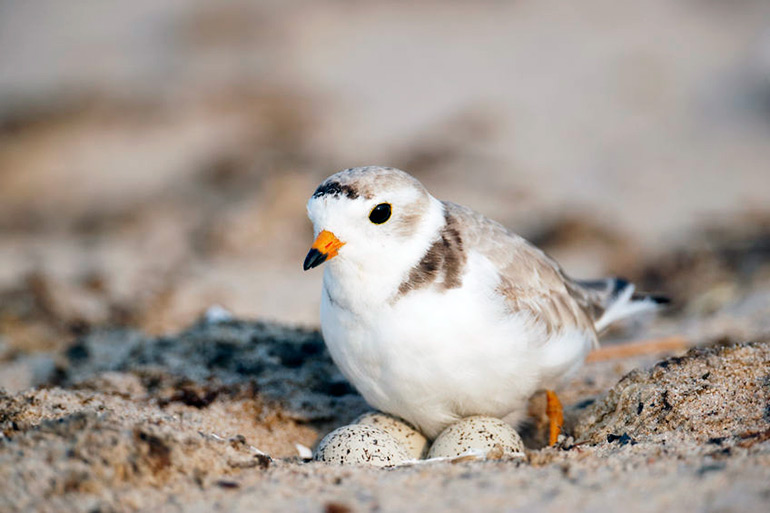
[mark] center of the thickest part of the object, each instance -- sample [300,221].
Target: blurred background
[155,157]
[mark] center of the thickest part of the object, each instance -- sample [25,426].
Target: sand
[208,420]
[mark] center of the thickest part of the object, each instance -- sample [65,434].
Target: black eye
[380,213]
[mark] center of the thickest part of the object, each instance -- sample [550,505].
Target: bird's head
[369,218]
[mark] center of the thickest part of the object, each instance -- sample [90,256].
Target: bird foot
[555,413]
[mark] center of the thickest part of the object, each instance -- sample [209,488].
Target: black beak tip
[314,258]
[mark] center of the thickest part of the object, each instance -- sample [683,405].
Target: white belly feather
[433,357]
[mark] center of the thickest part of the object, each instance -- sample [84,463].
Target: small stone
[358,444]
[488,435]
[412,440]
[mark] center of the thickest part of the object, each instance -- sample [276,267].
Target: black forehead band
[335,189]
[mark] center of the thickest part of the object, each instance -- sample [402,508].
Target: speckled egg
[412,440]
[358,444]
[483,434]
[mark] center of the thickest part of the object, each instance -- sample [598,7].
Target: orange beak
[324,248]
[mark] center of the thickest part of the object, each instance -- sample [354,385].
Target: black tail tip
[620,284]
[658,299]
[655,298]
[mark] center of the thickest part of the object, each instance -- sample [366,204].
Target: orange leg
[555,414]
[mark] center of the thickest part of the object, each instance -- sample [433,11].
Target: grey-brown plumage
[363,182]
[443,263]
[529,279]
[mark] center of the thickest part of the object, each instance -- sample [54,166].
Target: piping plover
[436,313]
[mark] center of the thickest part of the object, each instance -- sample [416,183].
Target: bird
[435,313]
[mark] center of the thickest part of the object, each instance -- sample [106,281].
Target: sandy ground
[155,159]
[208,421]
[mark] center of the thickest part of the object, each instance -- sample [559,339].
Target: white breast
[435,356]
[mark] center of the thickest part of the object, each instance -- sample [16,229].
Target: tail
[616,299]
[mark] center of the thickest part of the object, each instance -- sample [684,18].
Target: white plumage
[438,313]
